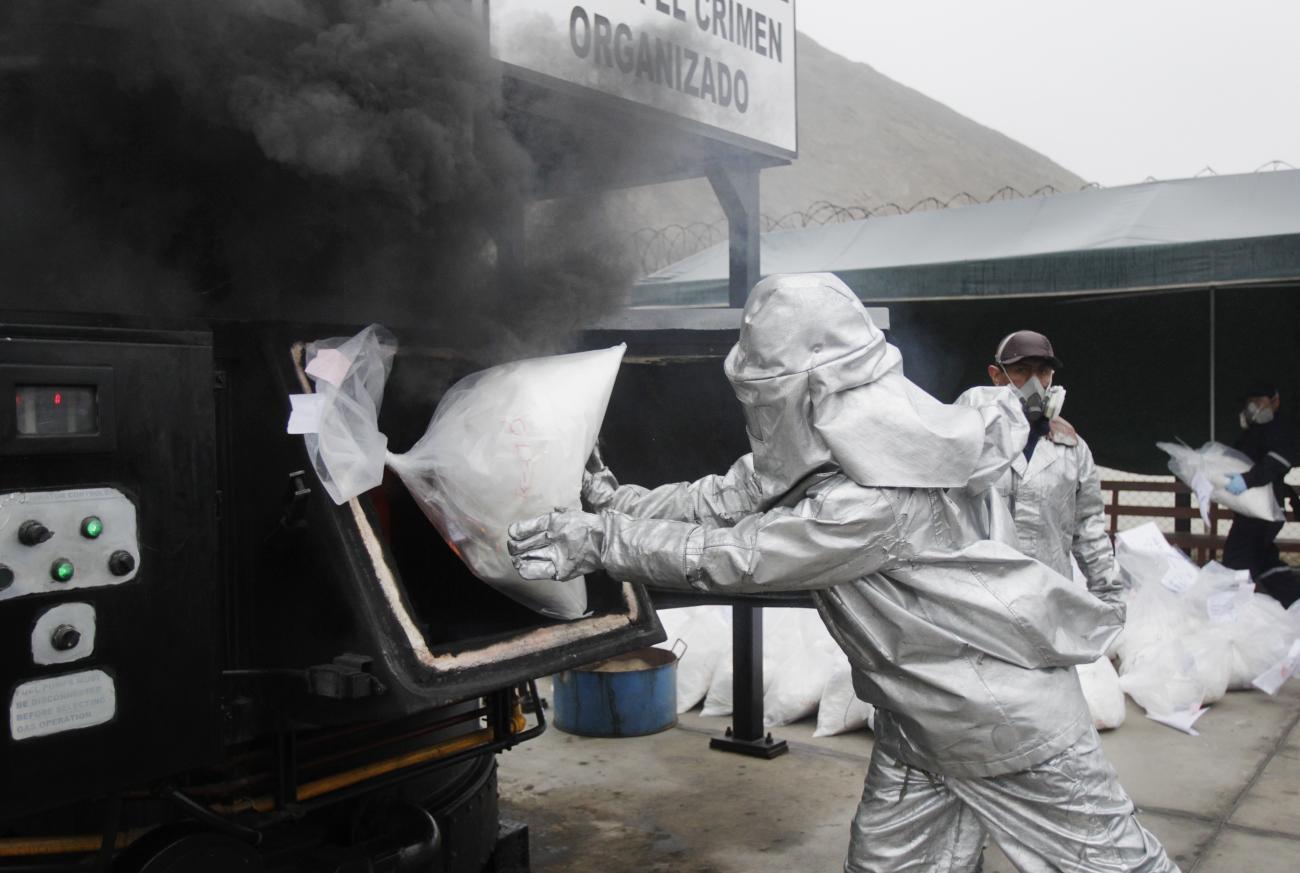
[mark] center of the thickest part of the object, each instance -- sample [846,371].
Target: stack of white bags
[1192,635]
[1195,633]
[804,671]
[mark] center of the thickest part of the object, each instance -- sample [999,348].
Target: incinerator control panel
[57,541]
[109,566]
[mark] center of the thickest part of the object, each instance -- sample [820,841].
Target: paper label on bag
[329,365]
[1179,577]
[1181,720]
[305,414]
[1222,607]
[1204,489]
[1272,679]
[1145,538]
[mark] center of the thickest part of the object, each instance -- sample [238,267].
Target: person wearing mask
[1052,488]
[867,492]
[1250,544]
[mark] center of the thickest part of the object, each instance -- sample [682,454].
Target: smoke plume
[311,160]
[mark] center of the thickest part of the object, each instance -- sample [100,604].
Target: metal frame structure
[549,119]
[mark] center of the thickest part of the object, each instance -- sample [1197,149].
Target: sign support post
[737,190]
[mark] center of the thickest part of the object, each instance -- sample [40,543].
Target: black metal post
[1183,500]
[737,190]
[746,735]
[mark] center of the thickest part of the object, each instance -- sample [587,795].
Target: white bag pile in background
[801,671]
[705,631]
[1102,690]
[1206,471]
[840,710]
[1192,633]
[804,671]
[780,637]
[505,444]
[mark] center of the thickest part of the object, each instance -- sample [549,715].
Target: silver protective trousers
[1066,815]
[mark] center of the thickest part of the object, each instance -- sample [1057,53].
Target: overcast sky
[1114,90]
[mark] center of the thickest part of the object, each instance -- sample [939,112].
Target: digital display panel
[56,410]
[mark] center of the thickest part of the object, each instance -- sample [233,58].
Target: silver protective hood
[1005,432]
[822,390]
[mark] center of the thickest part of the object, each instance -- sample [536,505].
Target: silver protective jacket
[1056,503]
[964,644]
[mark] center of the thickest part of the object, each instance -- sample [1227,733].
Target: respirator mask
[1039,402]
[1255,414]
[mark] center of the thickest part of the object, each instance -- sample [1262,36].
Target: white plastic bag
[840,710]
[1216,463]
[1145,556]
[1156,574]
[706,633]
[779,631]
[802,669]
[346,449]
[1259,637]
[1101,689]
[505,444]
[1212,662]
[1162,679]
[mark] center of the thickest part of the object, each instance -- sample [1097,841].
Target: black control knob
[65,638]
[121,562]
[6,577]
[33,533]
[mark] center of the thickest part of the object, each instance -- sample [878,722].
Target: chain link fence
[1290,530]
[657,247]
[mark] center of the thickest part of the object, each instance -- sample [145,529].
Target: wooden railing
[1203,547]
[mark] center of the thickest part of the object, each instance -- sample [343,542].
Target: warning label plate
[62,703]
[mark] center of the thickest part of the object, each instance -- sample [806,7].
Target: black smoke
[325,160]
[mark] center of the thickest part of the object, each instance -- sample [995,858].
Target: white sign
[62,703]
[726,64]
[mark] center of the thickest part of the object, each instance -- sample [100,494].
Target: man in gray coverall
[1052,488]
[864,490]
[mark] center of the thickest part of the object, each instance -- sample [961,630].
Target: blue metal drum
[629,695]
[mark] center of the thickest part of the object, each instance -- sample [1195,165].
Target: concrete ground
[1227,801]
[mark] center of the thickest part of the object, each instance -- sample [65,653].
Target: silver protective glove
[559,545]
[598,482]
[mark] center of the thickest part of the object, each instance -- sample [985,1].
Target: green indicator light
[61,570]
[91,527]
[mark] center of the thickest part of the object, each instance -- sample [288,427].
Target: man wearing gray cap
[1052,489]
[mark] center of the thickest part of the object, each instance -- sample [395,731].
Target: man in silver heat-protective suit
[1052,488]
[864,490]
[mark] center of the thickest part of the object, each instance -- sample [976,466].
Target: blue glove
[1236,484]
